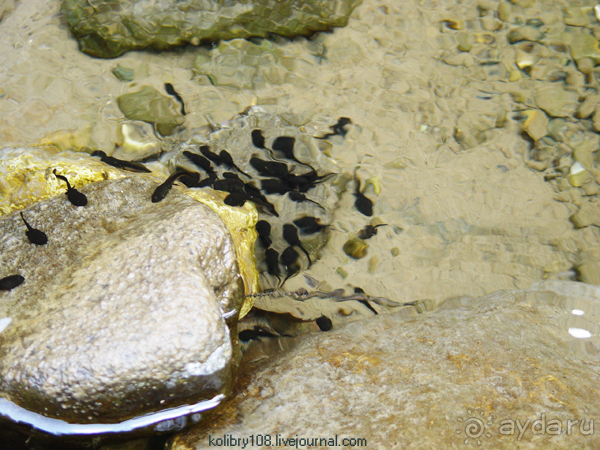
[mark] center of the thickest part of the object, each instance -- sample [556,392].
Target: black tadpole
[34,235]
[248,335]
[272,257]
[74,196]
[274,186]
[270,168]
[161,191]
[200,161]
[119,163]
[258,140]
[358,290]
[290,234]
[369,231]
[191,179]
[306,181]
[205,150]
[309,225]
[235,199]
[208,182]
[229,185]
[338,128]
[228,161]
[298,197]
[362,204]
[263,229]
[171,91]
[285,145]
[289,259]
[11,282]
[324,323]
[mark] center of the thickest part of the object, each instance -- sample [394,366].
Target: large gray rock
[473,371]
[122,314]
[120,25]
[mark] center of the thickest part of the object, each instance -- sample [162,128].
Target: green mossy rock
[113,27]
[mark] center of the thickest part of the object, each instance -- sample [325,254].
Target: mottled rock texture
[111,28]
[122,312]
[463,374]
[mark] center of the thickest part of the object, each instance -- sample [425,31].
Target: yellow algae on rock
[240,222]
[26,174]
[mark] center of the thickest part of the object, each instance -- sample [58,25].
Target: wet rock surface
[124,311]
[120,26]
[464,374]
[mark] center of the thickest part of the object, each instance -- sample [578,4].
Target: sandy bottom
[435,125]
[468,207]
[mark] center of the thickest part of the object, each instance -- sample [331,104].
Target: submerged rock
[127,317]
[149,105]
[243,64]
[119,26]
[472,372]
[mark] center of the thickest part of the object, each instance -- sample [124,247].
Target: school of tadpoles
[275,177]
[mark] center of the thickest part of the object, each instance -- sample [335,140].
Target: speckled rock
[128,310]
[119,26]
[472,372]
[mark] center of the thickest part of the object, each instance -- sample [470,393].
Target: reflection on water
[479,121]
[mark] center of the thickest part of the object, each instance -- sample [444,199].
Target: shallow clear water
[475,197]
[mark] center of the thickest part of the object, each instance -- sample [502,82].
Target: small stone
[123,73]
[578,175]
[504,12]
[514,75]
[342,272]
[575,79]
[454,24]
[489,23]
[576,16]
[588,214]
[584,46]
[556,101]
[149,105]
[589,272]
[356,248]
[524,34]
[596,118]
[584,156]
[587,107]
[373,264]
[523,3]
[585,65]
[536,124]
[591,188]
[395,251]
[535,22]
[465,41]
[527,55]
